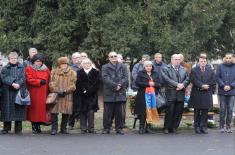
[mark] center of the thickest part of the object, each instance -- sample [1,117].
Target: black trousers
[18,126]
[72,118]
[173,115]
[54,122]
[200,118]
[113,109]
[87,120]
[142,119]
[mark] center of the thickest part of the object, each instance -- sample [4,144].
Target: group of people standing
[76,85]
[179,79]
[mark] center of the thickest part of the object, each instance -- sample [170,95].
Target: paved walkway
[185,143]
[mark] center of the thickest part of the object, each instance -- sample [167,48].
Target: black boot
[34,128]
[64,122]
[38,128]
[6,127]
[18,127]
[54,124]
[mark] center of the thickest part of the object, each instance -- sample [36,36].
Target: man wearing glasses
[115,81]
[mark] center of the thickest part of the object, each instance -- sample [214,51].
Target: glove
[42,82]
[61,94]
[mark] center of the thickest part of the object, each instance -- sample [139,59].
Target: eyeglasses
[112,56]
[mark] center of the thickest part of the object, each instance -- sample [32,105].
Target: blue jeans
[226,110]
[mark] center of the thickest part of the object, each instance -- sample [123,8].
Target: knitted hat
[38,56]
[62,60]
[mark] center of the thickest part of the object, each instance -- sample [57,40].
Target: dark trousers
[200,118]
[87,120]
[142,119]
[124,115]
[72,118]
[173,115]
[18,126]
[54,122]
[113,109]
[226,110]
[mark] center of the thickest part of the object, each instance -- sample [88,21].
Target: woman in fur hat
[63,82]
[37,79]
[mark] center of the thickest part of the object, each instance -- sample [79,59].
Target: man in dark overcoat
[203,80]
[115,84]
[176,80]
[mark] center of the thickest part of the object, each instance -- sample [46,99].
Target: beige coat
[63,81]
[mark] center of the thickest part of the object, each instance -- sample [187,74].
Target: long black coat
[9,110]
[201,99]
[142,82]
[87,88]
[112,76]
[171,80]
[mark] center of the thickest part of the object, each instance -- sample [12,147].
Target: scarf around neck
[39,68]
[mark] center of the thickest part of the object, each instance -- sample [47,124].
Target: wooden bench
[163,114]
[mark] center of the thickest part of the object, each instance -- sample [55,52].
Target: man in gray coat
[176,80]
[115,83]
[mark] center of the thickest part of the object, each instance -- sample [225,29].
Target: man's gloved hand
[42,82]
[61,94]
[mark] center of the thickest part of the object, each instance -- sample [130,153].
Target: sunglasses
[113,56]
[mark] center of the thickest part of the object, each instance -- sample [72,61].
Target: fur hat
[63,60]
[38,56]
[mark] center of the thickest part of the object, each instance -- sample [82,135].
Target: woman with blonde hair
[87,87]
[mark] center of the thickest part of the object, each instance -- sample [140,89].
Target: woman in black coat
[203,80]
[87,87]
[143,82]
[13,78]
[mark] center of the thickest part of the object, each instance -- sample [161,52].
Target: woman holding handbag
[63,82]
[87,87]
[37,79]
[13,78]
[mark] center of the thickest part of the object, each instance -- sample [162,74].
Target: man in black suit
[176,80]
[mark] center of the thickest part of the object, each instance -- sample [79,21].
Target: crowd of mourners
[31,91]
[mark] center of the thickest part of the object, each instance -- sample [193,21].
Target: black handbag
[161,100]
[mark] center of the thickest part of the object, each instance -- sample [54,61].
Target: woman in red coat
[37,79]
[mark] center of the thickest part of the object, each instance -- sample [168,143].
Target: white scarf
[87,70]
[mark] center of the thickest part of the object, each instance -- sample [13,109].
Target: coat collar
[19,65]
[114,67]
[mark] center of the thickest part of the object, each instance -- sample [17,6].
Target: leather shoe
[165,131]
[4,131]
[120,132]
[106,131]
[204,131]
[53,132]
[197,131]
[141,131]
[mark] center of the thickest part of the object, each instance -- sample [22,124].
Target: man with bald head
[115,84]
[176,80]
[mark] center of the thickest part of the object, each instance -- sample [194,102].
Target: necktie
[203,69]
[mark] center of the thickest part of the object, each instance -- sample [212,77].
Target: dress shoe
[106,131]
[120,132]
[165,131]
[4,131]
[204,131]
[141,131]
[83,131]
[92,131]
[53,132]
[64,132]
[197,130]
